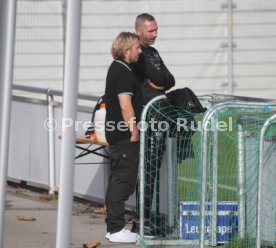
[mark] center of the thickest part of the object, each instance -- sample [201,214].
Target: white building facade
[211,46]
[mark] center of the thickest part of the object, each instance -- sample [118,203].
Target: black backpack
[90,130]
[186,99]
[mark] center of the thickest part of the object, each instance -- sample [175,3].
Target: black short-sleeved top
[120,80]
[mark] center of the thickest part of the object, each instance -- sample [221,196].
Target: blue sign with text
[227,220]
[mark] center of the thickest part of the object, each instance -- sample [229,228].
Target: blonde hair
[123,42]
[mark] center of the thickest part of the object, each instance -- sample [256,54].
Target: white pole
[214,219]
[7,37]
[230,46]
[241,179]
[71,76]
[51,144]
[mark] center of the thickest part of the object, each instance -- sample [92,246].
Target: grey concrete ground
[86,226]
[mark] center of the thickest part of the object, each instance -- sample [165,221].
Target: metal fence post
[172,177]
[7,41]
[51,143]
[72,51]
[213,224]
[241,180]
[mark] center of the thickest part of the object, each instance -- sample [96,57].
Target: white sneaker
[107,235]
[123,236]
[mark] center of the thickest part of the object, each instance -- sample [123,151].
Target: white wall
[191,34]
[28,153]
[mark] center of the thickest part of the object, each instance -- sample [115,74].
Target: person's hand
[134,136]
[154,86]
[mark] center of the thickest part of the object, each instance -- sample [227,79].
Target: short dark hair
[143,17]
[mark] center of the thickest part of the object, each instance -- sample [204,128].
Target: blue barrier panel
[227,220]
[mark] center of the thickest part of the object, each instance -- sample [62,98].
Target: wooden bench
[83,140]
[90,147]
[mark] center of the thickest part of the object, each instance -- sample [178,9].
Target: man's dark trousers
[124,157]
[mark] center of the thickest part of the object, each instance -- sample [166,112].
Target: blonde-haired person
[123,42]
[123,110]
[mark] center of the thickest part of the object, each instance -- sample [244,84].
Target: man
[123,110]
[150,68]
[155,79]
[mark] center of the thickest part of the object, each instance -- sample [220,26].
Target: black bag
[186,99]
[90,130]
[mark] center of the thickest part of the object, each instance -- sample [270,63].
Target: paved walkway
[86,225]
